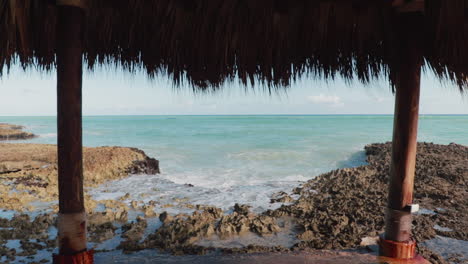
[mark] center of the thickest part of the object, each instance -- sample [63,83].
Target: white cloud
[332,100]
[380,99]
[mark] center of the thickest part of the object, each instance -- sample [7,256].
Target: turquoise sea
[221,160]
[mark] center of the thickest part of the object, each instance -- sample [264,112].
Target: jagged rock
[165,217]
[101,232]
[134,231]
[13,132]
[29,248]
[149,211]
[8,253]
[242,209]
[21,227]
[281,197]
[337,209]
[181,232]
[99,218]
[33,170]
[306,236]
[125,197]
[232,224]
[264,225]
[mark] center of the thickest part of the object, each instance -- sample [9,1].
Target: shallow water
[448,247]
[243,159]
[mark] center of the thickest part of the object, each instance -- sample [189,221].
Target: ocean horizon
[136,115]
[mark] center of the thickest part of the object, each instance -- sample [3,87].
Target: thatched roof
[269,41]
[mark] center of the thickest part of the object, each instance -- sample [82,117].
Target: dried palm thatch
[272,42]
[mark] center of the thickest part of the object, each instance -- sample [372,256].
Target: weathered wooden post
[72,216]
[397,241]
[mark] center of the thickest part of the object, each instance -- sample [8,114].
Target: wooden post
[397,241]
[72,218]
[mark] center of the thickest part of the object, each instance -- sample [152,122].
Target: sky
[115,92]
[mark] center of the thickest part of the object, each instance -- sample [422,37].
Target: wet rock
[144,166]
[232,224]
[49,243]
[134,231]
[20,221]
[306,236]
[32,181]
[121,215]
[129,246]
[29,248]
[254,249]
[40,261]
[101,232]
[115,205]
[165,217]
[125,197]
[44,221]
[180,200]
[99,218]
[431,256]
[178,234]
[10,126]
[188,205]
[281,197]
[21,227]
[181,232]
[13,132]
[4,222]
[32,168]
[297,190]
[456,258]
[337,209]
[8,253]
[242,209]
[263,224]
[149,211]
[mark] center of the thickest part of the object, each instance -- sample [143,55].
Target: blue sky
[114,92]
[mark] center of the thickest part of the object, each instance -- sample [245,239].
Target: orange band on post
[85,257]
[398,250]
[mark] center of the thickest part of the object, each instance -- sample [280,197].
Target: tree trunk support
[72,216]
[397,241]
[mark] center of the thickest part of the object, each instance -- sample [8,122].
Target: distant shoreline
[10,132]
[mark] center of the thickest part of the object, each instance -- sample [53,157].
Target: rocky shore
[13,132]
[339,210]
[28,172]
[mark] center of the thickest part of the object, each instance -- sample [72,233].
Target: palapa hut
[204,43]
